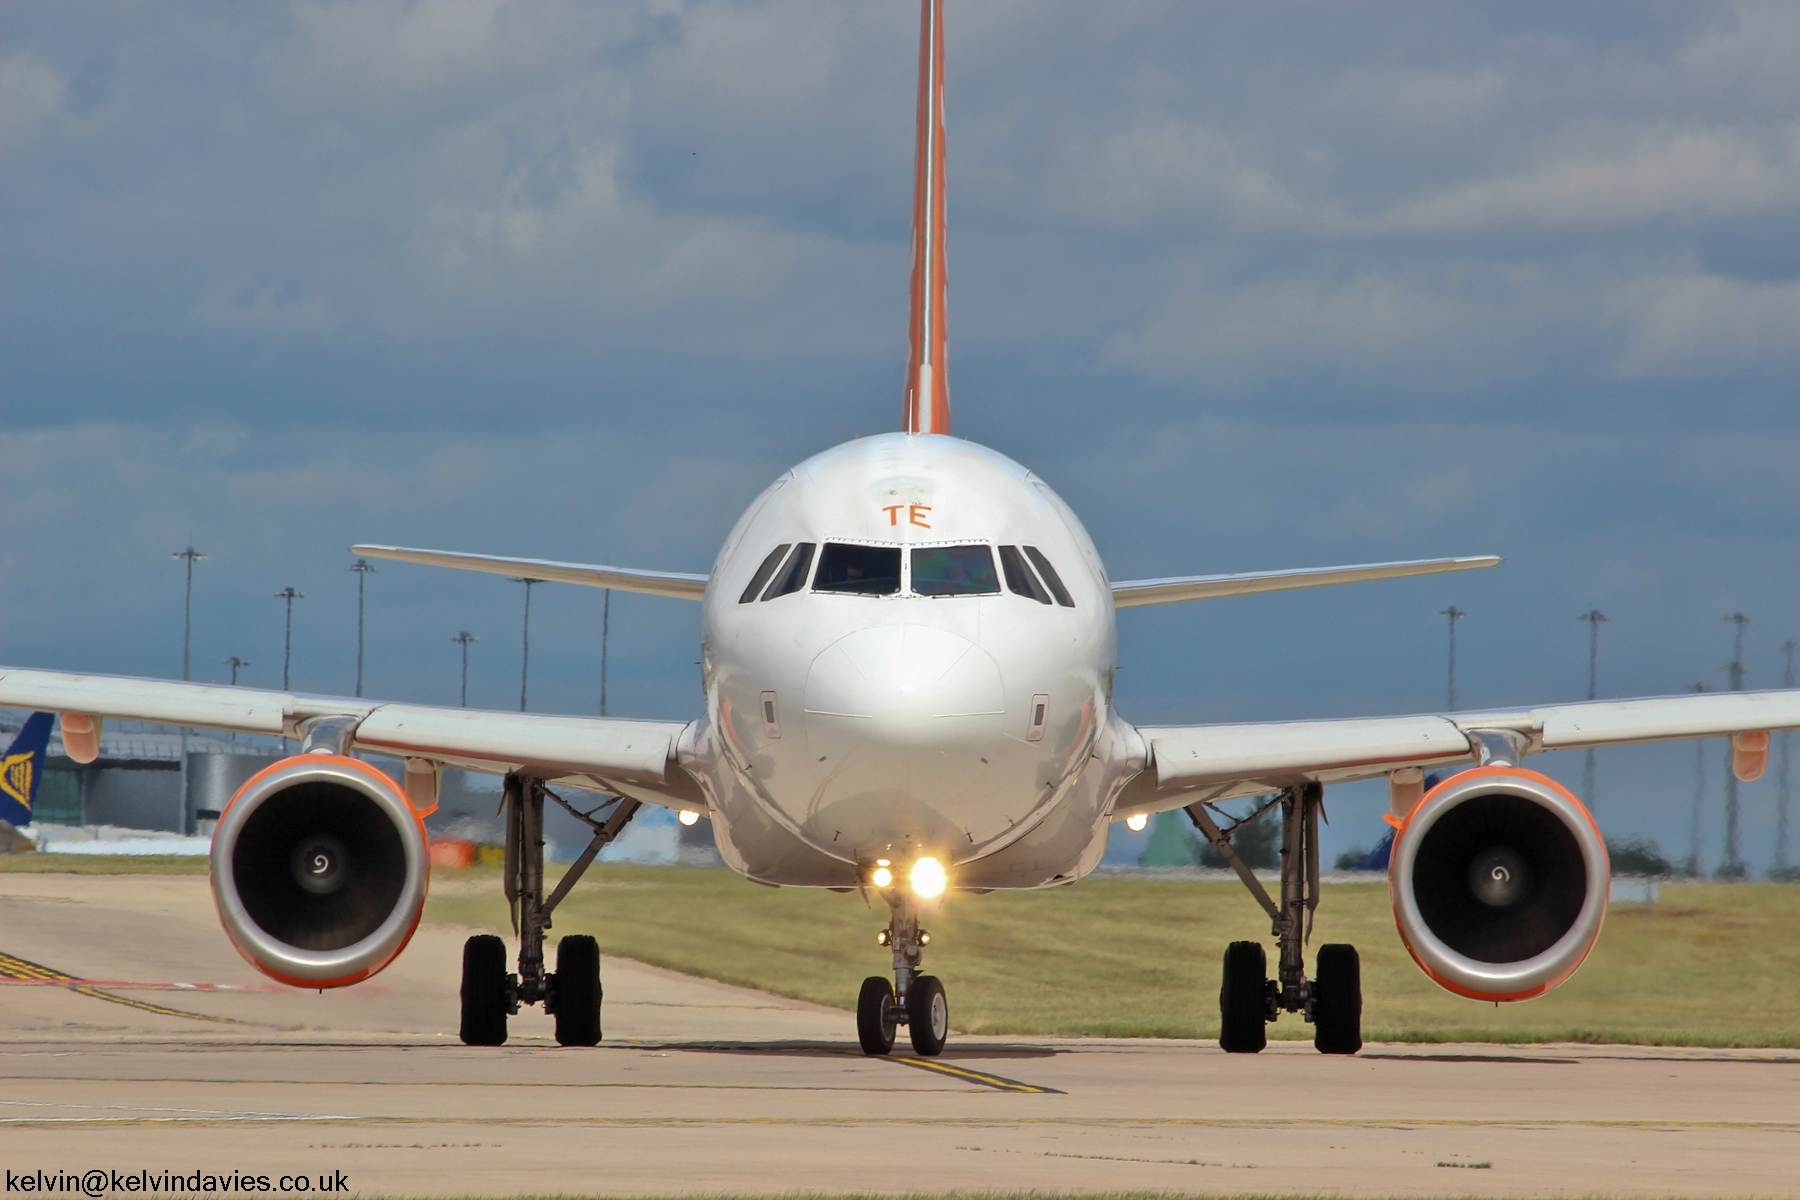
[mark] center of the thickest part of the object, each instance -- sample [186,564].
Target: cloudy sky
[1254,286]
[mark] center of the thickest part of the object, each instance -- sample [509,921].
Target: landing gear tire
[927,1015]
[578,991]
[1244,999]
[1337,1005]
[484,991]
[874,1016]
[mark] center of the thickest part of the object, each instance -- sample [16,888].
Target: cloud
[1611,176]
[32,94]
[1700,326]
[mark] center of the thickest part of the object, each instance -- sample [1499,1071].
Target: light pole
[363,568]
[189,556]
[1733,866]
[1780,870]
[1693,862]
[290,594]
[1455,614]
[234,662]
[1594,617]
[605,634]
[525,661]
[463,639]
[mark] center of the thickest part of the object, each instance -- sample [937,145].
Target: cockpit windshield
[954,571]
[858,570]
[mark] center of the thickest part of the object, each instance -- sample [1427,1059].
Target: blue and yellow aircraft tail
[22,769]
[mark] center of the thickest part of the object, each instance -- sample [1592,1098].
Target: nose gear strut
[914,1000]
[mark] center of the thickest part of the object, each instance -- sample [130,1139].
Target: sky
[1252,286]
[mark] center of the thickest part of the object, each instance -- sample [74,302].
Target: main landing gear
[572,992]
[1248,999]
[913,1000]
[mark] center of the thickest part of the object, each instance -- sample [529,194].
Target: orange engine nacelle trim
[314,969]
[1474,979]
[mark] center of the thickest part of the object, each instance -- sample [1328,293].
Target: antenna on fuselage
[927,369]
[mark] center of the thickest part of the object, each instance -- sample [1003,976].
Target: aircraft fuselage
[908,649]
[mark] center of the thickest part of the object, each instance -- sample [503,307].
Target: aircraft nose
[905,686]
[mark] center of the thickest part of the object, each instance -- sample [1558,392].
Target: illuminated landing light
[1137,821]
[688,816]
[928,878]
[882,877]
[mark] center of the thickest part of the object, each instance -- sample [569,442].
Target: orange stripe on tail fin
[927,367]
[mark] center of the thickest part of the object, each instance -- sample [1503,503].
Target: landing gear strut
[572,992]
[1248,1000]
[914,1000]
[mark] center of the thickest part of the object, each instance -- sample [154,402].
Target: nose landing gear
[914,1000]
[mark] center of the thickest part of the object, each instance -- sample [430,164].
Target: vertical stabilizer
[22,769]
[927,371]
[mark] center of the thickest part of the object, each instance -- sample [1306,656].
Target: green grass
[32,863]
[1712,965]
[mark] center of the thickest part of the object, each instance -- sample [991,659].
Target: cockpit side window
[1050,576]
[954,571]
[793,575]
[763,572]
[858,570]
[1019,579]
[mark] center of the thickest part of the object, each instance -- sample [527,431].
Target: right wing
[1220,762]
[634,758]
[1131,593]
[624,579]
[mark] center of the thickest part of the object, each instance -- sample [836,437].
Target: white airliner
[908,654]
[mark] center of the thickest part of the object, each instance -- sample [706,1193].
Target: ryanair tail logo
[22,769]
[17,773]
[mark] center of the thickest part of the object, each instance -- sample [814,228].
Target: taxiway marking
[998,1082]
[25,971]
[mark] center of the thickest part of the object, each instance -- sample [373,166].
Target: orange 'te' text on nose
[915,514]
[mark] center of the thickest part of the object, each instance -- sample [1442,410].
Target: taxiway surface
[703,1088]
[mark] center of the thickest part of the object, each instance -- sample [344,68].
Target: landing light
[688,816]
[882,877]
[1136,822]
[928,878]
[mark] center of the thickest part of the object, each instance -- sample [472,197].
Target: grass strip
[1711,965]
[34,863]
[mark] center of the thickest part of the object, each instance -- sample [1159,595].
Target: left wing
[634,758]
[1220,762]
[623,579]
[1132,593]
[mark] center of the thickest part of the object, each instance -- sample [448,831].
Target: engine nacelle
[1499,881]
[319,870]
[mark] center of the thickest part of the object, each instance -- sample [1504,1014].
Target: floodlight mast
[1454,614]
[1733,866]
[525,658]
[1780,869]
[189,556]
[1594,617]
[1694,835]
[463,639]
[363,568]
[289,594]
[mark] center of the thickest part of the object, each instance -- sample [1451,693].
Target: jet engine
[1499,881]
[319,869]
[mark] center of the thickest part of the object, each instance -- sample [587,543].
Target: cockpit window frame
[911,583]
[764,572]
[900,575]
[794,573]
